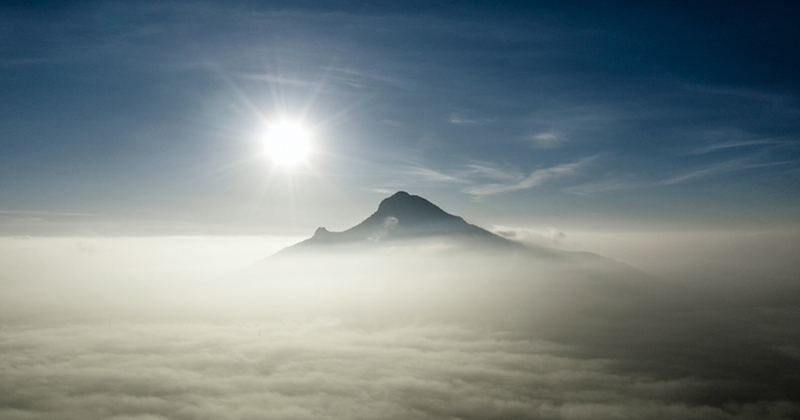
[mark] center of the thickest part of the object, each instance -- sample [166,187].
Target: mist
[623,178]
[195,327]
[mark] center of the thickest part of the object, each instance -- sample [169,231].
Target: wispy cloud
[456,119]
[730,166]
[392,123]
[461,120]
[618,184]
[412,175]
[614,184]
[549,237]
[365,78]
[746,93]
[429,175]
[725,139]
[547,140]
[467,116]
[378,190]
[483,178]
[490,171]
[535,179]
[271,78]
[733,145]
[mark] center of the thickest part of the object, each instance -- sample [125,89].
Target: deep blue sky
[127,117]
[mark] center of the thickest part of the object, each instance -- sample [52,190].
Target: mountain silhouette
[410,240]
[412,254]
[405,217]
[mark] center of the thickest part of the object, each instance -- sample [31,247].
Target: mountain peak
[410,209]
[406,216]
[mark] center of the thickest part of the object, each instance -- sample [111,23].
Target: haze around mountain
[380,322]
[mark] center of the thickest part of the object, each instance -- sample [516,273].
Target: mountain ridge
[403,216]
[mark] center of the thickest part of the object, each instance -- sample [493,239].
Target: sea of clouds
[187,328]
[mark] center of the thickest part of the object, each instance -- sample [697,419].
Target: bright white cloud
[548,237]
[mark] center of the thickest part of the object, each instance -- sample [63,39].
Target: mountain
[412,259]
[412,254]
[406,217]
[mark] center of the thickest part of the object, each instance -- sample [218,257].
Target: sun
[287,143]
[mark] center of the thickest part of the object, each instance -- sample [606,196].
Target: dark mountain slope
[406,217]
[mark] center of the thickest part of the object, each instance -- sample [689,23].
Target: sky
[647,152]
[149,117]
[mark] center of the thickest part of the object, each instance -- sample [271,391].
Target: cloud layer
[112,331]
[322,369]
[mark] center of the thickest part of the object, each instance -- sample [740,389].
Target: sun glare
[287,143]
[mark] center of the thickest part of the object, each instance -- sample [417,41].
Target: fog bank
[180,328]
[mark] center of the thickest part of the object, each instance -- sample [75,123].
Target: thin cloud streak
[732,138]
[535,179]
[412,175]
[486,170]
[274,79]
[476,175]
[423,174]
[734,144]
[591,189]
[615,184]
[746,93]
[736,165]
[458,119]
